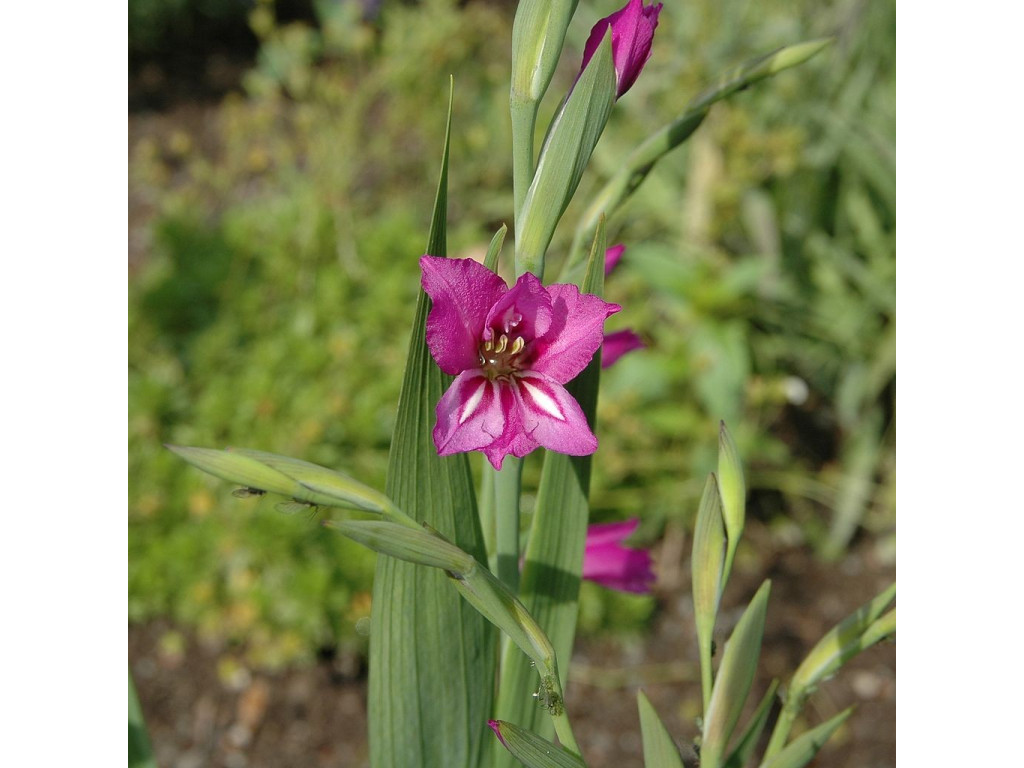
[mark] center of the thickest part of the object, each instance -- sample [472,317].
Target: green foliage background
[271,298]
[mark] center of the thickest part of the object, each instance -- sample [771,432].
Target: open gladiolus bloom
[511,350]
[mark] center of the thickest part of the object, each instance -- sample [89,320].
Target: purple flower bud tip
[512,350]
[632,33]
[496,727]
[608,563]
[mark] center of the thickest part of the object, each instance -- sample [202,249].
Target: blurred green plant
[267,307]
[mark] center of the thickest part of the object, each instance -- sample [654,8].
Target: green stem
[790,710]
[506,520]
[485,504]
[524,122]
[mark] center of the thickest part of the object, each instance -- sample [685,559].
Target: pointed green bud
[735,676]
[234,467]
[537,37]
[494,249]
[302,481]
[706,563]
[337,487]
[405,543]
[531,750]
[733,488]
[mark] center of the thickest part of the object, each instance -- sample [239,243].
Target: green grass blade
[735,676]
[550,581]
[431,655]
[660,751]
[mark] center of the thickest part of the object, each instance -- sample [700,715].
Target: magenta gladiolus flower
[608,563]
[617,344]
[511,350]
[632,32]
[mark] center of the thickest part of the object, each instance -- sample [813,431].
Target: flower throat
[501,358]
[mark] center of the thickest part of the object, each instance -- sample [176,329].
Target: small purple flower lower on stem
[632,33]
[607,562]
[512,350]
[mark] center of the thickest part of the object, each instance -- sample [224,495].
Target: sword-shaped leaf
[431,655]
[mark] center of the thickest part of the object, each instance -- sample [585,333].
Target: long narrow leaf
[425,639]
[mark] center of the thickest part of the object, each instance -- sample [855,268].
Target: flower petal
[617,344]
[551,416]
[612,257]
[462,291]
[525,311]
[470,415]
[576,332]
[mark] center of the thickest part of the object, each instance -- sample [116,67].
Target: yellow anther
[502,343]
[517,345]
[488,346]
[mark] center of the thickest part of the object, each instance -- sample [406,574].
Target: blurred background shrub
[273,271]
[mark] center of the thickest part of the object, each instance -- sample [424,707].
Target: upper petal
[462,292]
[525,310]
[551,416]
[576,332]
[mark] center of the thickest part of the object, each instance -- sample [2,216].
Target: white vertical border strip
[63,564]
[961,249]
